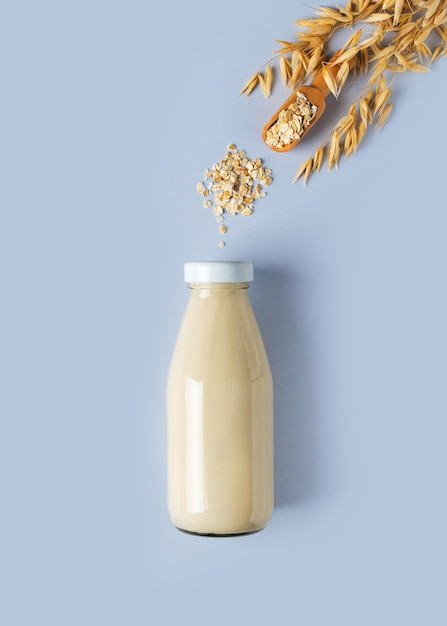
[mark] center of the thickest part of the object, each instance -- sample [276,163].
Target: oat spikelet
[263,84]
[383,117]
[347,55]
[308,171]
[368,42]
[353,40]
[436,53]
[377,17]
[397,11]
[318,158]
[380,100]
[314,60]
[297,76]
[381,85]
[417,67]
[250,85]
[365,112]
[268,80]
[305,170]
[342,76]
[432,7]
[330,81]
[344,124]
[296,59]
[361,130]
[350,144]
[441,17]
[334,150]
[285,69]
[379,69]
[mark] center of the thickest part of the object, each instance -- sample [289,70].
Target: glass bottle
[220,408]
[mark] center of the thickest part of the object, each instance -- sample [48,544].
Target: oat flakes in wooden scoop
[304,107]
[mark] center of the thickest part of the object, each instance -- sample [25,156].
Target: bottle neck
[217,286]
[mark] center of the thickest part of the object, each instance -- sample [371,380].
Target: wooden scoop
[316,94]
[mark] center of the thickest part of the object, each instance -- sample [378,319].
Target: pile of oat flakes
[291,122]
[234,184]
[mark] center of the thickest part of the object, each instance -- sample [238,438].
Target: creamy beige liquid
[220,416]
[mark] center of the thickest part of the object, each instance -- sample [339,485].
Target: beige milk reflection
[220,414]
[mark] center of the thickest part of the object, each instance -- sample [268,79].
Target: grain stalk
[390,37]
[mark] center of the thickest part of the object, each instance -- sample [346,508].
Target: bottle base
[237,534]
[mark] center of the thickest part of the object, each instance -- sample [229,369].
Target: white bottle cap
[219,272]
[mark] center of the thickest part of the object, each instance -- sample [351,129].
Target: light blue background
[110,112]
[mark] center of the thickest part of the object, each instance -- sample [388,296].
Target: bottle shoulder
[220,337]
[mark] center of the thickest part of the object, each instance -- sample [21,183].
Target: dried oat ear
[390,37]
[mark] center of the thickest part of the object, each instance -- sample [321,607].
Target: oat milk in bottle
[220,408]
